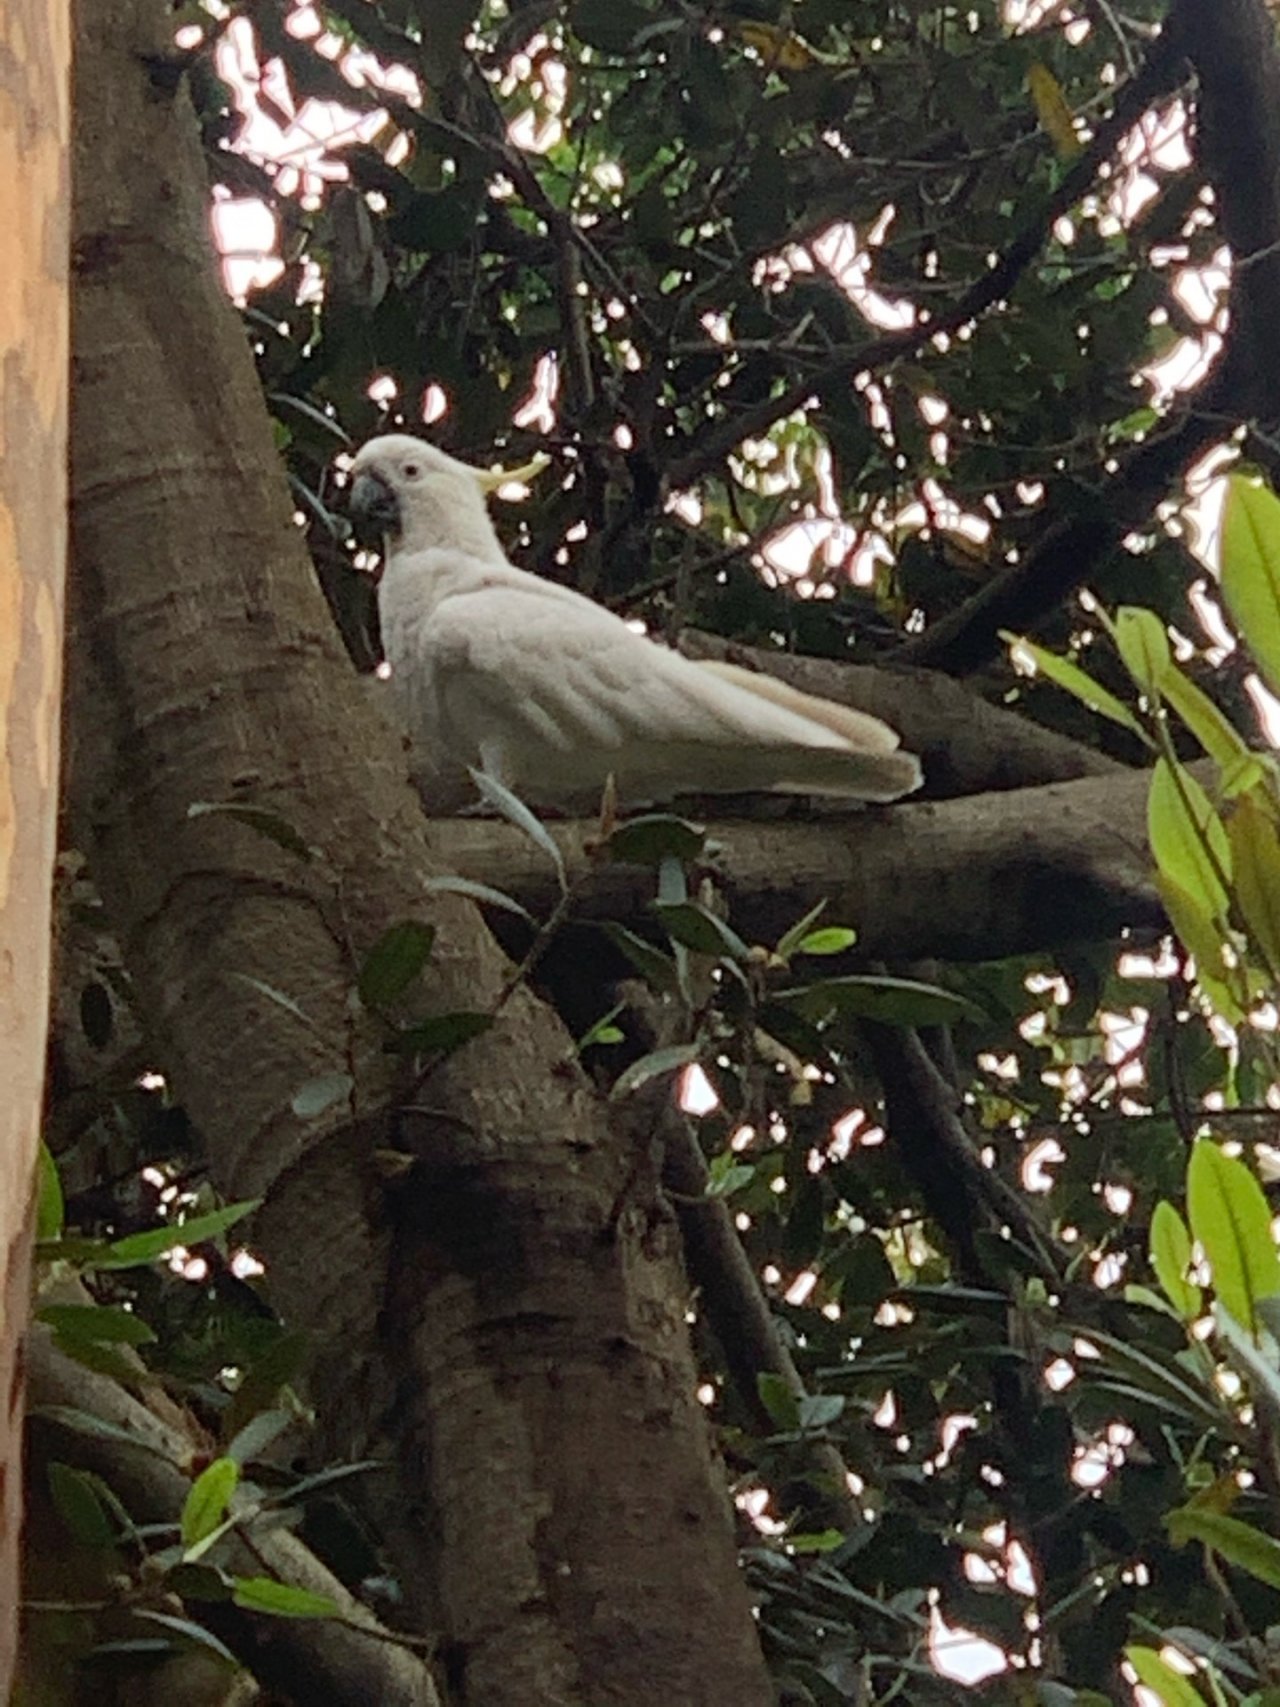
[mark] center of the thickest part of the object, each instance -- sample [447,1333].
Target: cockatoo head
[417,496]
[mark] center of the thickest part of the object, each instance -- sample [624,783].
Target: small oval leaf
[281,1600]
[1250,558]
[206,1504]
[1230,1216]
[1188,840]
[656,836]
[1064,674]
[313,1098]
[1171,1258]
[139,1248]
[650,1066]
[393,963]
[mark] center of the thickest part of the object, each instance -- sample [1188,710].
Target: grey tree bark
[518,1350]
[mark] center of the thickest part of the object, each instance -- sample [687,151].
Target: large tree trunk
[517,1349]
[34,51]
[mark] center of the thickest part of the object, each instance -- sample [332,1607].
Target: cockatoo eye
[412,470]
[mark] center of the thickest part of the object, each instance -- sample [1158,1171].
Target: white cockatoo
[551,695]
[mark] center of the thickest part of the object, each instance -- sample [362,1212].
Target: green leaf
[262,1431]
[820,1410]
[726,1174]
[1250,557]
[1143,644]
[1150,1300]
[1257,1368]
[1158,1383]
[1053,110]
[1207,723]
[96,1324]
[1075,681]
[259,819]
[275,1368]
[832,939]
[1170,1686]
[441,1034]
[514,810]
[790,940]
[80,1253]
[206,1504]
[188,1628]
[656,968]
[1230,1217]
[1255,861]
[1138,421]
[818,1541]
[893,1001]
[78,1500]
[656,836]
[279,998]
[1203,938]
[699,929]
[394,961]
[1188,840]
[1171,1258]
[650,1066]
[317,1095]
[281,1600]
[97,1428]
[604,1030]
[50,1210]
[140,1248]
[778,1400]
[1238,1542]
[482,892]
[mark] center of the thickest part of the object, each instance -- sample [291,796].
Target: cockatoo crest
[552,695]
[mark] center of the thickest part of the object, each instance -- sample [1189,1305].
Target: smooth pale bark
[34,48]
[498,1315]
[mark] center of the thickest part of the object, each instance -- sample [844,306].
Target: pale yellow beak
[492,479]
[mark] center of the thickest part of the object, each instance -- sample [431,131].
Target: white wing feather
[552,694]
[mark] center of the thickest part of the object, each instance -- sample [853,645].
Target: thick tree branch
[1232,45]
[967,880]
[967,745]
[924,1115]
[738,1312]
[707,448]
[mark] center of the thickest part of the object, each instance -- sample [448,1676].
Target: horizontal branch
[967,745]
[972,879]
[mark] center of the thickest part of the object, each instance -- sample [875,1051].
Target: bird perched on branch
[552,695]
